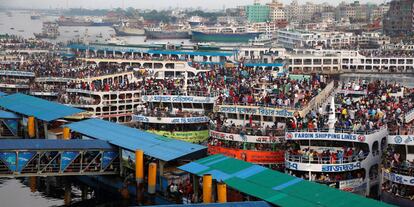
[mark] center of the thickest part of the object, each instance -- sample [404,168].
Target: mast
[332,118]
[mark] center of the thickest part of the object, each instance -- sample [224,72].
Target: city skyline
[147,4]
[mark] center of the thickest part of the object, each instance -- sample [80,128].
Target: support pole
[152,178]
[222,192]
[31,127]
[207,187]
[66,133]
[33,184]
[139,175]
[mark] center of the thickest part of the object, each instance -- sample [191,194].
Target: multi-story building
[276,11]
[257,12]
[399,19]
[338,40]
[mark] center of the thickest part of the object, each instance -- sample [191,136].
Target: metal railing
[340,130]
[324,159]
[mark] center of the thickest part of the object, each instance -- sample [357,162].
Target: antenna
[332,118]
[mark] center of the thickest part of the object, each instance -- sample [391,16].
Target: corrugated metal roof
[39,108]
[228,204]
[197,53]
[272,186]
[8,115]
[52,144]
[156,146]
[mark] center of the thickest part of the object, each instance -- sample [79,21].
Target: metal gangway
[46,157]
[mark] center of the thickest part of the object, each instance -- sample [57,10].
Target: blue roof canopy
[156,146]
[53,144]
[8,115]
[39,108]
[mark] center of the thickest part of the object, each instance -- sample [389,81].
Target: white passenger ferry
[15,81]
[344,158]
[179,116]
[398,165]
[253,131]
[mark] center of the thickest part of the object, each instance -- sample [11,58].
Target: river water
[19,23]
[51,191]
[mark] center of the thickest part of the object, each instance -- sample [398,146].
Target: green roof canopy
[274,187]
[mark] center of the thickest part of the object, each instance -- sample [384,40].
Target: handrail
[337,130]
[324,160]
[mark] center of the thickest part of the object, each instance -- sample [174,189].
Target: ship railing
[404,169]
[340,130]
[402,131]
[180,93]
[231,103]
[249,131]
[168,114]
[409,116]
[324,159]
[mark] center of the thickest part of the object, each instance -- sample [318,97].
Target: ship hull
[102,24]
[221,37]
[74,24]
[127,32]
[166,35]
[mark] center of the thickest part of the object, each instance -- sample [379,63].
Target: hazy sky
[144,4]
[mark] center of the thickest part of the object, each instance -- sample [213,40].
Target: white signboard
[245,138]
[401,139]
[325,136]
[397,178]
[322,167]
[170,120]
[255,110]
[353,185]
[178,99]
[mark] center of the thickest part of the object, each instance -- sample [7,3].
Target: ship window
[375,147]
[169,74]
[410,149]
[187,105]
[268,118]
[231,116]
[208,107]
[177,105]
[383,143]
[197,105]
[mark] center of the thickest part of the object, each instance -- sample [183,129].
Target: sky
[146,4]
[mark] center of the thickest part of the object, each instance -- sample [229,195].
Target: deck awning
[39,108]
[131,139]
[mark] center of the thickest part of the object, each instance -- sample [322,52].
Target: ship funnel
[332,118]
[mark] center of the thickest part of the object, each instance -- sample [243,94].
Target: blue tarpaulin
[39,108]
[153,145]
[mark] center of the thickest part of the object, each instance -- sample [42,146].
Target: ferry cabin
[183,117]
[16,81]
[115,106]
[342,159]
[49,88]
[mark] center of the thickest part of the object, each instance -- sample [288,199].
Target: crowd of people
[387,53]
[246,145]
[325,156]
[381,107]
[328,178]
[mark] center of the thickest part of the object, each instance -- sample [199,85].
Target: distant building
[276,11]
[257,12]
[399,18]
